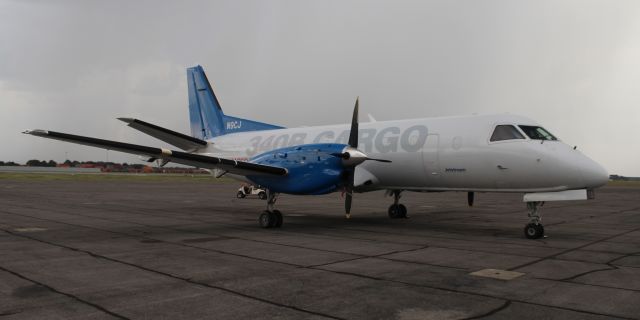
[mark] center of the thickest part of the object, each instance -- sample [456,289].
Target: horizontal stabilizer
[177,139]
[190,159]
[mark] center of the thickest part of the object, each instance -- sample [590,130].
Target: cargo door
[431,161]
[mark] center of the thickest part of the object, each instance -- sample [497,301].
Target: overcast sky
[74,66]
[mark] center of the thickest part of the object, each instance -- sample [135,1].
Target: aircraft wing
[177,139]
[190,159]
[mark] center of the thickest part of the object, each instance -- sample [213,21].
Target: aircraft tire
[541,231]
[262,195]
[266,219]
[279,219]
[403,211]
[394,211]
[240,195]
[533,231]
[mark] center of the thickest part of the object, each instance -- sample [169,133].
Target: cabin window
[537,133]
[506,132]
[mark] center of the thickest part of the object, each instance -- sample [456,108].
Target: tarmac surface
[180,250]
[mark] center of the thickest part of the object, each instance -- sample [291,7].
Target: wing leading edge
[190,159]
[177,139]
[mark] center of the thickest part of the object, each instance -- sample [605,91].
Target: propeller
[347,157]
[470,196]
[351,157]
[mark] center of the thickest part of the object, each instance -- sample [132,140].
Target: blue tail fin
[205,113]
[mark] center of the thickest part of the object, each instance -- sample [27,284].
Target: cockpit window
[506,132]
[537,133]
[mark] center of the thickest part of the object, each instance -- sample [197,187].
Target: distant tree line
[107,166]
[43,163]
[103,164]
[74,163]
[623,178]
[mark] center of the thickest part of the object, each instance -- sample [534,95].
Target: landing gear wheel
[403,211]
[240,195]
[267,219]
[262,195]
[278,216]
[395,211]
[270,218]
[534,231]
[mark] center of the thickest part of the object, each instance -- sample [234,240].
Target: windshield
[505,132]
[537,133]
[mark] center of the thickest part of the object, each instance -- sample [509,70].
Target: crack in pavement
[69,295]
[505,305]
[10,313]
[379,256]
[588,272]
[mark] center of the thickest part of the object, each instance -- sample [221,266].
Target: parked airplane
[488,153]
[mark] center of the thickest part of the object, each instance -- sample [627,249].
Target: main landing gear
[397,210]
[534,229]
[271,218]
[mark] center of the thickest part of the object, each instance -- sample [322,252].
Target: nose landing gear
[271,218]
[534,229]
[397,210]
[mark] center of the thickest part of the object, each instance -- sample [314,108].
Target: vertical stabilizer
[205,113]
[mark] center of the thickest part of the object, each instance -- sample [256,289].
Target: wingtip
[127,120]
[36,132]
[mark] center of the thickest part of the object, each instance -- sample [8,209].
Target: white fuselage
[437,154]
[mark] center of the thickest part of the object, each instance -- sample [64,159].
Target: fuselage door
[431,161]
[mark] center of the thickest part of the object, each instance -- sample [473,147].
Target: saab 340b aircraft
[488,153]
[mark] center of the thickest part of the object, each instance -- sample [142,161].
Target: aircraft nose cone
[595,175]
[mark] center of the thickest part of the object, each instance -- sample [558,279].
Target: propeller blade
[470,196]
[347,202]
[353,134]
[379,160]
[349,192]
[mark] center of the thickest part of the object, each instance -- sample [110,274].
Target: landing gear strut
[397,210]
[534,229]
[271,218]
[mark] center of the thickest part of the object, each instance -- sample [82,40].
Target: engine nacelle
[312,169]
